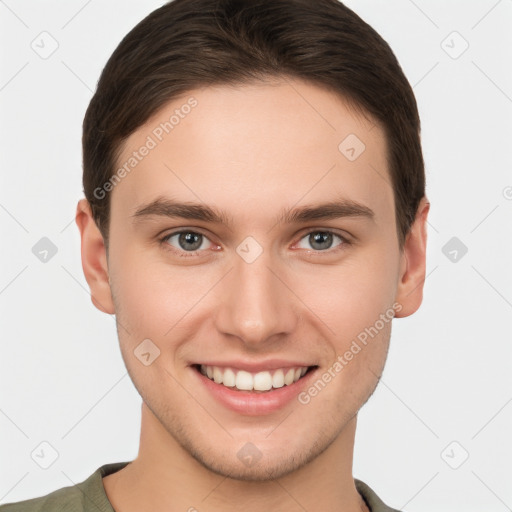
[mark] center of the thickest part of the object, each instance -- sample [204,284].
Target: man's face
[260,293]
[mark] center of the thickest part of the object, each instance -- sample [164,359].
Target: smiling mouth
[258,382]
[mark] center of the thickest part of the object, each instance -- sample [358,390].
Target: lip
[254,404]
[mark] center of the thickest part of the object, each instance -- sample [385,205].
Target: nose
[257,305]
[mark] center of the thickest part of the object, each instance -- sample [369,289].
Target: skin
[270,145]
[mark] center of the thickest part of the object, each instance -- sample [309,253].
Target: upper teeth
[246,381]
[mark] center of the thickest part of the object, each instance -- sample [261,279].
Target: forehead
[260,145]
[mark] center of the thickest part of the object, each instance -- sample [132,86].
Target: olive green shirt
[90,496]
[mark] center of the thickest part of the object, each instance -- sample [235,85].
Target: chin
[264,470]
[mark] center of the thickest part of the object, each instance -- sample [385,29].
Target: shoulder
[374,503]
[86,496]
[67,498]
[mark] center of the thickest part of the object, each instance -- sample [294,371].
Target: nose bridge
[256,304]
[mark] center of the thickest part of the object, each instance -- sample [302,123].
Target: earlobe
[412,272]
[94,258]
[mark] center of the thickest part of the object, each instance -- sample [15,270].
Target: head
[240,118]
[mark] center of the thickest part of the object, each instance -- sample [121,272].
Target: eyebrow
[166,207]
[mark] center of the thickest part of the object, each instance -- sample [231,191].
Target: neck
[165,477]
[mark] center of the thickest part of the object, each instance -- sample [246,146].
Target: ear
[413,263]
[94,258]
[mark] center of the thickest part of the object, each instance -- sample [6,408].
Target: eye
[188,243]
[321,240]
[185,241]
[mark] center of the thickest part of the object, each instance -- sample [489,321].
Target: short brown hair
[187,44]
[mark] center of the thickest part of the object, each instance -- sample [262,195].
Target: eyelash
[188,254]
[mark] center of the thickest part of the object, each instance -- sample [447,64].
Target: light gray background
[448,376]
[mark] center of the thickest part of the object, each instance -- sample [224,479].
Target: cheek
[137,291]
[154,299]
[356,292]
